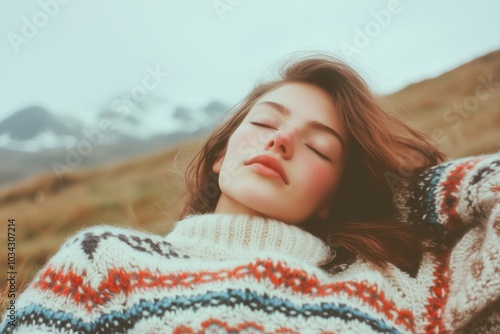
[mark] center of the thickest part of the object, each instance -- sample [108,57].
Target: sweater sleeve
[460,193]
[474,277]
[83,279]
[55,292]
[453,194]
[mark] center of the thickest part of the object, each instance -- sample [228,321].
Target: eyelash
[260,124]
[322,156]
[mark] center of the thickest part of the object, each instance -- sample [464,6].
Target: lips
[271,163]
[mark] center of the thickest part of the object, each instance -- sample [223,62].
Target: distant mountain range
[29,123]
[33,139]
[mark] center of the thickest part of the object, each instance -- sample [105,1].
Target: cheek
[318,179]
[236,144]
[246,141]
[236,138]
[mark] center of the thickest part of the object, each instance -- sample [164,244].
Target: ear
[323,212]
[217,164]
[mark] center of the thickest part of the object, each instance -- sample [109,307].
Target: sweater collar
[224,236]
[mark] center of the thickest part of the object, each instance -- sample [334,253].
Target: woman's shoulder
[91,237]
[111,244]
[104,232]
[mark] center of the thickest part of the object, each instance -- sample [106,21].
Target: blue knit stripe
[121,322]
[431,196]
[422,199]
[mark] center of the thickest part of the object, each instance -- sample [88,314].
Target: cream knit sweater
[220,273]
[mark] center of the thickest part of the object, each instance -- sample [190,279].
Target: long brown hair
[382,149]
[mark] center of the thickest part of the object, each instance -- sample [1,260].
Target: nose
[282,143]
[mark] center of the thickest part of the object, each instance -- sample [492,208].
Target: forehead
[305,101]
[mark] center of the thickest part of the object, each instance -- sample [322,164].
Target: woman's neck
[228,205]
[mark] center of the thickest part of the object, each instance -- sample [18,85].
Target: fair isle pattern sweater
[219,273]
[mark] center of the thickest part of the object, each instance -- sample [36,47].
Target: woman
[353,149]
[290,226]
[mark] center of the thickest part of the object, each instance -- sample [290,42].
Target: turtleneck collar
[223,236]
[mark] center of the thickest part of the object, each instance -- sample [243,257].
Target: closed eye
[322,156]
[262,125]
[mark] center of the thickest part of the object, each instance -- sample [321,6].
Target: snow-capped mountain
[35,129]
[33,140]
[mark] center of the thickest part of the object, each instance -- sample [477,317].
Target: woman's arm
[57,299]
[86,280]
[460,195]
[450,195]
[474,277]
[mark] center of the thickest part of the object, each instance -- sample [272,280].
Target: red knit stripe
[450,188]
[69,284]
[439,295]
[215,325]
[183,330]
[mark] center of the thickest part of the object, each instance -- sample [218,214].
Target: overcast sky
[74,57]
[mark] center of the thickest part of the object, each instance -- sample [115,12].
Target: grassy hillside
[460,109]
[142,193]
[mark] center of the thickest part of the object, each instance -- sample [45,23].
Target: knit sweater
[221,273]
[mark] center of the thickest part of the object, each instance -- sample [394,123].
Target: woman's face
[298,127]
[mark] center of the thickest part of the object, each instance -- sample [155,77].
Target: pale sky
[82,54]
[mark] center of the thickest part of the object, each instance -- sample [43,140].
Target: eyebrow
[311,123]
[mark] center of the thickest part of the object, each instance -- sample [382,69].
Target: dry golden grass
[142,194]
[456,109]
